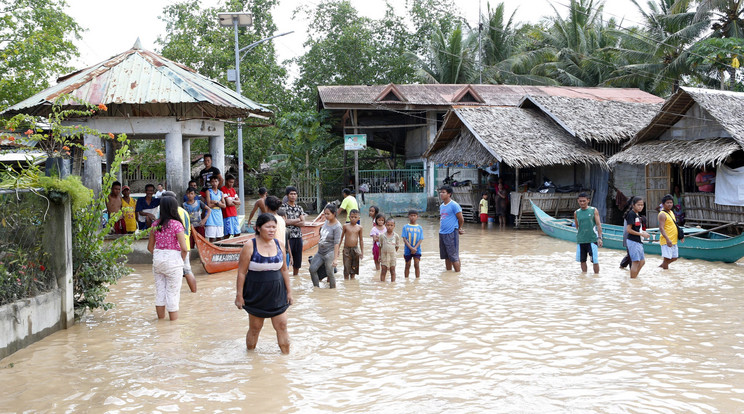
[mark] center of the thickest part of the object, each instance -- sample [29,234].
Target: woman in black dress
[263,288]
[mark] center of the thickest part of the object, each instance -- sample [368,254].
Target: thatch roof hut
[519,137]
[694,127]
[598,120]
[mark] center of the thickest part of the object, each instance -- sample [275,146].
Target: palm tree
[574,47]
[451,58]
[728,23]
[500,61]
[656,58]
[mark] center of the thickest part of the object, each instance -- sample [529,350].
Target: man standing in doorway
[295,218]
[450,229]
[349,203]
[206,174]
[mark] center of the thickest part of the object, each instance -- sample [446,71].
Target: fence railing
[22,255]
[392,181]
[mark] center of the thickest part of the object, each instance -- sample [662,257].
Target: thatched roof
[725,107]
[594,119]
[721,118]
[519,137]
[694,153]
[443,96]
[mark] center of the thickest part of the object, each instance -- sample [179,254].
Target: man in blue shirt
[450,228]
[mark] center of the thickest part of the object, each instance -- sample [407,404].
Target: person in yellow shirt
[484,210]
[128,204]
[669,234]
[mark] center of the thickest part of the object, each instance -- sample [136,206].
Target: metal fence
[23,270]
[391,181]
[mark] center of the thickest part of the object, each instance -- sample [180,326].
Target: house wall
[696,124]
[564,174]
[417,142]
[630,179]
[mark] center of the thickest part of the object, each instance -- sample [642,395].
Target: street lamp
[241,19]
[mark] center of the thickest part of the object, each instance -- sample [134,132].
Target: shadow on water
[521,329]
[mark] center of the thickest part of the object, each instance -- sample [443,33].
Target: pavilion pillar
[92,176]
[186,154]
[174,161]
[217,148]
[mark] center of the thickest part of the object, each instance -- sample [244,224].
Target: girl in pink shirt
[168,247]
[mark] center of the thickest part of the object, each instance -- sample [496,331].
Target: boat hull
[714,247]
[224,257]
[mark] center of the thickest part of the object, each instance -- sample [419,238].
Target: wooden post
[356,156]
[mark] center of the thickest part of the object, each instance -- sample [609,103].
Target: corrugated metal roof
[142,83]
[441,95]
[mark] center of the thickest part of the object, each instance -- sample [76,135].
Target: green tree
[573,46]
[452,57]
[656,58]
[344,48]
[36,43]
[195,39]
[727,18]
[717,56]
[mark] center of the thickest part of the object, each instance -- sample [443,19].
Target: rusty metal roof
[142,83]
[443,95]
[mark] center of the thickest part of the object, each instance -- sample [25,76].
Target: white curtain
[730,186]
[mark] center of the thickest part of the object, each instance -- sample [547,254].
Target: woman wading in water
[263,288]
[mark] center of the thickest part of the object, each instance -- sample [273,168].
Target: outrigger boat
[223,256]
[698,243]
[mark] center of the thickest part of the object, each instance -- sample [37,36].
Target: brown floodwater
[520,329]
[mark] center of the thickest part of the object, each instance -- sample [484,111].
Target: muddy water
[519,330]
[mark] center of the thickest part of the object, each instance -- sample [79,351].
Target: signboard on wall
[355,142]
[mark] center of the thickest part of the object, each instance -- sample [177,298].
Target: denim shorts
[635,250]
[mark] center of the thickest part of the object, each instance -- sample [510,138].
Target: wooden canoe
[223,256]
[698,243]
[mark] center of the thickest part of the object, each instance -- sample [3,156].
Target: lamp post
[241,19]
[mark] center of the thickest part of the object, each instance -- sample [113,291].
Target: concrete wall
[393,203]
[417,141]
[29,320]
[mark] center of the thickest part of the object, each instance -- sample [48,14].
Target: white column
[186,155]
[217,149]
[174,161]
[431,134]
[92,176]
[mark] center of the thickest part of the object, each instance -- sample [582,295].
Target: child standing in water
[354,245]
[483,210]
[412,235]
[389,244]
[378,227]
[330,239]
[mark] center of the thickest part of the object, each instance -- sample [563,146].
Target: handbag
[680,230]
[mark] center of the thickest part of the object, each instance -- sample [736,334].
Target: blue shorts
[584,249]
[408,257]
[232,226]
[449,246]
[635,251]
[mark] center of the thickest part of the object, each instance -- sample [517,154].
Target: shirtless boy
[353,245]
[114,205]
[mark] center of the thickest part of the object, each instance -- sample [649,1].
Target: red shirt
[230,211]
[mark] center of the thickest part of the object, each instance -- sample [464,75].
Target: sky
[114,26]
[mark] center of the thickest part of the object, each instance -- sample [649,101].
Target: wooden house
[694,128]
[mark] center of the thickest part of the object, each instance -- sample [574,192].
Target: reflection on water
[519,330]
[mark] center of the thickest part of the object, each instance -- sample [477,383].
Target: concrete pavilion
[148,97]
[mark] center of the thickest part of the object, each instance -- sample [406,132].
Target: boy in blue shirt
[450,229]
[412,236]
